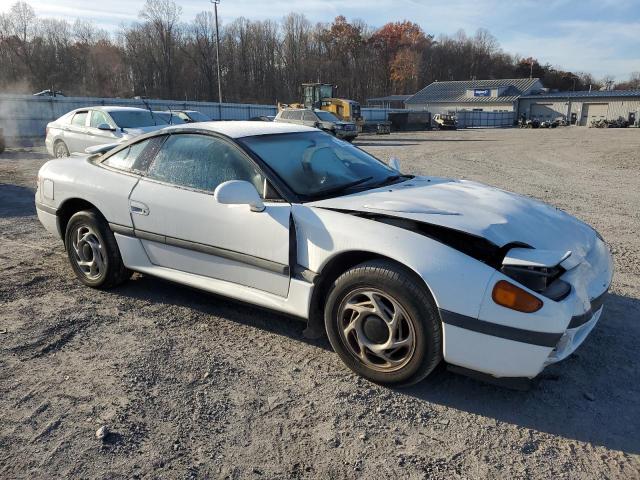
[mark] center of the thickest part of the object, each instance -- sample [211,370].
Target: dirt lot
[196,386]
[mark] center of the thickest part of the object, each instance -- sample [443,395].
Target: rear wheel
[60,149]
[383,323]
[93,251]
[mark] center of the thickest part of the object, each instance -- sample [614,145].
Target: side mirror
[394,163]
[239,192]
[106,126]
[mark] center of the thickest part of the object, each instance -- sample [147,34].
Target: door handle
[138,208]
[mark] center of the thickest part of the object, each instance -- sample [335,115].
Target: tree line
[262,61]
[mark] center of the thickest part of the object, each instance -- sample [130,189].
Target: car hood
[496,215]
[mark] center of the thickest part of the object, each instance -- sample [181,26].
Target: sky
[601,37]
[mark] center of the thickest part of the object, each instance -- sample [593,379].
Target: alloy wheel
[376,329]
[88,252]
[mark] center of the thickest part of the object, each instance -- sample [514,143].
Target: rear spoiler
[100,149]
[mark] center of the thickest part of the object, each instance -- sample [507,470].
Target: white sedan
[400,271]
[84,128]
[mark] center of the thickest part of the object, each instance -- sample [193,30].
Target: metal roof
[456,91]
[587,94]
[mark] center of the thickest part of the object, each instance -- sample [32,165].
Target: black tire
[60,149]
[401,286]
[92,227]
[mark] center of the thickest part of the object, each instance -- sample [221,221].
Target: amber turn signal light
[510,296]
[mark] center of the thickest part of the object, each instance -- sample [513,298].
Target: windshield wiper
[341,188]
[392,178]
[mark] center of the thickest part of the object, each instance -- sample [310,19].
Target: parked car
[86,127]
[191,116]
[170,118]
[326,121]
[443,121]
[263,118]
[400,271]
[49,93]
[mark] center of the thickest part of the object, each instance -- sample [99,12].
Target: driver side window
[98,118]
[202,163]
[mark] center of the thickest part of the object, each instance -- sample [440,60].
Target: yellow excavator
[323,96]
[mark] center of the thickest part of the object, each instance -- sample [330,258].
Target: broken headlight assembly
[542,280]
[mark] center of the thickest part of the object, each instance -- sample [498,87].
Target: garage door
[542,111]
[593,111]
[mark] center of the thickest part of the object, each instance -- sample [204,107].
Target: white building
[500,95]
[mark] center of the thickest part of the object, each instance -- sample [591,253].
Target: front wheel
[383,324]
[93,251]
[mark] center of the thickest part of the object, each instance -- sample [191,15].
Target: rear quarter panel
[76,177]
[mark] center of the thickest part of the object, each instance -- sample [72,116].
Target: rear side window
[79,119]
[137,156]
[309,116]
[202,162]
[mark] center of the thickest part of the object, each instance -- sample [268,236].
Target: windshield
[135,118]
[326,91]
[198,117]
[326,116]
[170,118]
[316,165]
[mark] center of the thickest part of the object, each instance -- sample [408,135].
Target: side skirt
[295,304]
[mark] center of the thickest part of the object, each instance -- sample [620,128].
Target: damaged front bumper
[513,344]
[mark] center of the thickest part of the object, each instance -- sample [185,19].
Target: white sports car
[400,271]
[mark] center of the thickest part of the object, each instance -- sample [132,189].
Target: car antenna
[146,104]
[170,115]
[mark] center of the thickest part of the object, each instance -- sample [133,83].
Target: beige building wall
[434,108]
[585,109]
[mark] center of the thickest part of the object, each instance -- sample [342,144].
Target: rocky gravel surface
[154,380]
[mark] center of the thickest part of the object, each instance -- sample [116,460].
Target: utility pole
[215,9]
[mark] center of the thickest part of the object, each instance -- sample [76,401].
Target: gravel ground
[192,385]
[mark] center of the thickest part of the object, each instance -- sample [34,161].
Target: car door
[183,227]
[309,118]
[75,136]
[95,136]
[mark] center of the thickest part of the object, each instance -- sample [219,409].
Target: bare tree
[262,61]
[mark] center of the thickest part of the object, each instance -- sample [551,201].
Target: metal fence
[472,119]
[378,114]
[25,117]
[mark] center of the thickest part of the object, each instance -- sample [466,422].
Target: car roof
[239,129]
[107,108]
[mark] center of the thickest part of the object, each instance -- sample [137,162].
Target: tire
[93,251]
[60,149]
[383,286]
